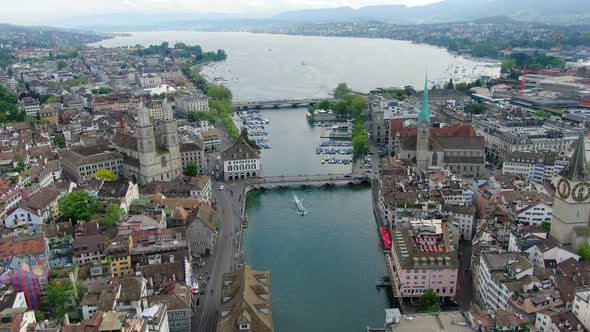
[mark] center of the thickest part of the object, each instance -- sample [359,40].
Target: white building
[463,217]
[538,167]
[581,307]
[240,161]
[492,273]
[549,253]
[37,210]
[31,106]
[550,321]
[191,103]
[157,317]
[149,80]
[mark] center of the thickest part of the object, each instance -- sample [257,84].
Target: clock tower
[571,204]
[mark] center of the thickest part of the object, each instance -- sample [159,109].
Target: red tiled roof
[462,130]
[12,247]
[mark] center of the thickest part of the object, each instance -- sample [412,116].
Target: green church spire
[578,169]
[424,112]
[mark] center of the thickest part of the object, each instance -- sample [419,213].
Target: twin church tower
[149,157]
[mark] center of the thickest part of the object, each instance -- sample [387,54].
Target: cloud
[44,11]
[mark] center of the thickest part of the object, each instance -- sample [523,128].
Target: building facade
[240,161]
[187,104]
[424,258]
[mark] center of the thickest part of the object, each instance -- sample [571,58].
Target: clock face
[563,188]
[581,192]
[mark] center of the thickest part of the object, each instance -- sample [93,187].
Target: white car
[221,187]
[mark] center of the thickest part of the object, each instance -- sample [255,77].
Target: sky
[47,11]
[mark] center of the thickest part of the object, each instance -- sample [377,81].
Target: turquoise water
[324,265]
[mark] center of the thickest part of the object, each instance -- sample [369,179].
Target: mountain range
[547,11]
[562,12]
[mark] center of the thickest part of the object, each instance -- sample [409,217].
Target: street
[464,279]
[226,257]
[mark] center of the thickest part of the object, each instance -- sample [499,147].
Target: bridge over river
[318,180]
[276,103]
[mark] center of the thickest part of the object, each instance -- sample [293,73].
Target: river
[324,265]
[270,67]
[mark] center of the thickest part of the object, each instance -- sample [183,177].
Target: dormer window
[244,327]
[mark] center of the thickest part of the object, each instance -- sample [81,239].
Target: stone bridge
[276,103]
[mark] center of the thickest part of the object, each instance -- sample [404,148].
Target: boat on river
[299,205]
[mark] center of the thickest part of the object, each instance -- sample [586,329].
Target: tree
[429,301]
[450,85]
[59,141]
[360,139]
[219,92]
[61,297]
[106,174]
[358,105]
[584,251]
[324,105]
[78,205]
[113,215]
[409,90]
[474,109]
[61,64]
[507,65]
[546,226]
[341,90]
[191,169]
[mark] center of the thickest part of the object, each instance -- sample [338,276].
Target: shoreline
[471,58]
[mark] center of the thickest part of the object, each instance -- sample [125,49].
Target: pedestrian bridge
[238,106]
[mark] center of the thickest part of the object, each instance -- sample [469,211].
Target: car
[221,187]
[347,176]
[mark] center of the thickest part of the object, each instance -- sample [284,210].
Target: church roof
[424,112]
[462,130]
[441,143]
[125,141]
[578,169]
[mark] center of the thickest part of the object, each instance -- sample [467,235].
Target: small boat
[300,208]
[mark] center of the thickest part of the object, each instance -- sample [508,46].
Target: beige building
[77,163]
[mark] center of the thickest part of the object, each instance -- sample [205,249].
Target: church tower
[170,132]
[423,138]
[146,140]
[571,204]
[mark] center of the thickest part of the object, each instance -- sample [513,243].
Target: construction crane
[522,79]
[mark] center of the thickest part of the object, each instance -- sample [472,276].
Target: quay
[239,106]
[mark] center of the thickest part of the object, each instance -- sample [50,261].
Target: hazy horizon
[28,12]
